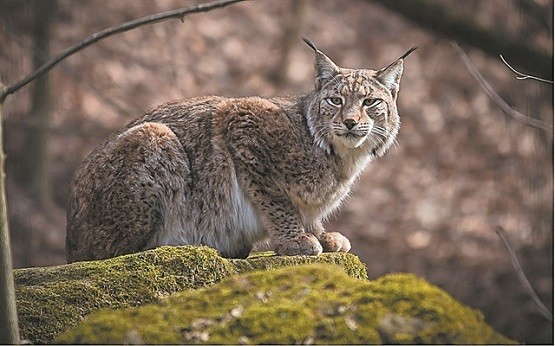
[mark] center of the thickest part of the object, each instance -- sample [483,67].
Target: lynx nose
[350,123]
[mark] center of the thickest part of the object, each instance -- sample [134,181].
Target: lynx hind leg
[334,242]
[117,198]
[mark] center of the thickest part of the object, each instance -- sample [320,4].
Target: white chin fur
[351,142]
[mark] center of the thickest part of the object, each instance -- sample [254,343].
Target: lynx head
[354,108]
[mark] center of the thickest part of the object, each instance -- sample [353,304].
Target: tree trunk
[9,330]
[290,40]
[36,150]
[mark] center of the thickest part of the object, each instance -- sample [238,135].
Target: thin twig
[522,277]
[523,118]
[177,14]
[522,76]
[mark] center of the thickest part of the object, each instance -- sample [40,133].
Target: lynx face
[354,108]
[358,110]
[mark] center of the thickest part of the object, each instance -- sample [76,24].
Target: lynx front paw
[301,244]
[334,242]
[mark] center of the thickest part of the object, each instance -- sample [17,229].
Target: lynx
[228,172]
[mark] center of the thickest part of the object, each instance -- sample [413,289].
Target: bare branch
[520,75]
[174,14]
[522,277]
[523,118]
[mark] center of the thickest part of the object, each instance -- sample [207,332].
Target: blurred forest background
[430,207]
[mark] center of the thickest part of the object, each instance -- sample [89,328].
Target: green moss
[350,263]
[314,303]
[53,299]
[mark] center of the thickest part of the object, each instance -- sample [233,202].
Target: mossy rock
[51,300]
[350,263]
[314,303]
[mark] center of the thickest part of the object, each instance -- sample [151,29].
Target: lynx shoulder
[228,172]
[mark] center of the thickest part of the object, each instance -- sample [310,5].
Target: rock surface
[190,294]
[313,303]
[51,300]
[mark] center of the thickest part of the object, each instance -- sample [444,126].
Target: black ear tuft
[408,53]
[310,44]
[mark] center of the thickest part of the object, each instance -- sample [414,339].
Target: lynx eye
[371,102]
[335,101]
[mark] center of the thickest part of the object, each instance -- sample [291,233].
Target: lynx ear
[390,76]
[325,68]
